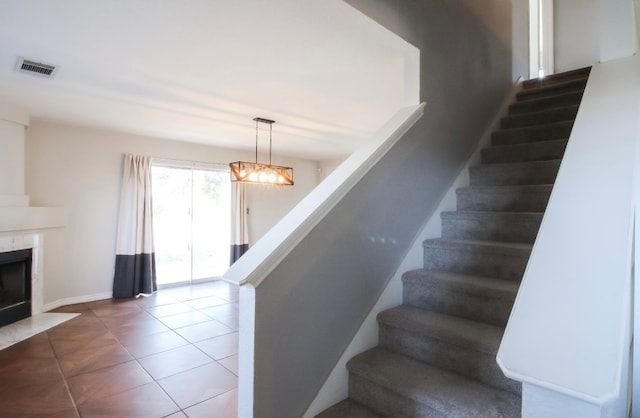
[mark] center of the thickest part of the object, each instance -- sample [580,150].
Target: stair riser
[515,201]
[482,263]
[545,103]
[465,361]
[512,175]
[438,298]
[386,402]
[532,134]
[573,86]
[536,151]
[537,118]
[491,227]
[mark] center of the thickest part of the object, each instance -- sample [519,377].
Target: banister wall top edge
[287,233]
[600,400]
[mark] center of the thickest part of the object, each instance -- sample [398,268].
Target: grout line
[64,378]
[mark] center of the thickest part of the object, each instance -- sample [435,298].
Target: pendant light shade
[260,173]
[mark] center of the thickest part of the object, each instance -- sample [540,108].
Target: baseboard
[77,299]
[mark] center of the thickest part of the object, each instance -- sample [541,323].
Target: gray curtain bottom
[135,274]
[237,250]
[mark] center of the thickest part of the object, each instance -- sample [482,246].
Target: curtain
[239,227]
[135,269]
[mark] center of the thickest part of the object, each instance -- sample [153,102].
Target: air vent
[35,68]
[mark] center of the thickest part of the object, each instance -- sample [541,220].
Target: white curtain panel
[135,268]
[239,224]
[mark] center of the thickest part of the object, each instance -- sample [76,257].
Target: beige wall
[80,168]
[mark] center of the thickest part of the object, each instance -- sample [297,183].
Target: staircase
[437,352]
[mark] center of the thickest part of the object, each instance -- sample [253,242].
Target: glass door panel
[191,224]
[211,223]
[172,223]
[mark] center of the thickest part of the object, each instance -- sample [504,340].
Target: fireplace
[15,285]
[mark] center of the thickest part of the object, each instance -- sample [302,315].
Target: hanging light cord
[270,130]
[256,141]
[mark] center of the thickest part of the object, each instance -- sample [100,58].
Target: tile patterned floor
[170,354]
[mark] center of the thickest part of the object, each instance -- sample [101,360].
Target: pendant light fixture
[258,173]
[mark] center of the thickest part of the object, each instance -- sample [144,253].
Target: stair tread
[448,393]
[454,330]
[505,189]
[577,83]
[545,101]
[466,283]
[348,409]
[486,213]
[551,110]
[557,76]
[515,164]
[528,144]
[561,123]
[494,246]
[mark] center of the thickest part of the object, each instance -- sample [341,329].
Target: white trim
[534,38]
[546,37]
[541,32]
[76,299]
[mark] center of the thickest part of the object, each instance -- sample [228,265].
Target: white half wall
[569,330]
[80,169]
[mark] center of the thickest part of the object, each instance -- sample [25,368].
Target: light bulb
[262,177]
[253,176]
[272,177]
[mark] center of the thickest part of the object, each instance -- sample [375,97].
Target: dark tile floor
[171,354]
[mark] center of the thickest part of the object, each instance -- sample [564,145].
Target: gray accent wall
[308,309]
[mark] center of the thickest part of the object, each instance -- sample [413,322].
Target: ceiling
[201,70]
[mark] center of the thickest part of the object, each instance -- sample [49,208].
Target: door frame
[541,45]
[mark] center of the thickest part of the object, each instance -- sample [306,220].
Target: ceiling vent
[35,68]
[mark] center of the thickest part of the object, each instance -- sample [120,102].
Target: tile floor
[171,354]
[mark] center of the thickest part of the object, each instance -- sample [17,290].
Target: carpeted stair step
[522,120]
[482,258]
[528,198]
[491,226]
[514,174]
[534,105]
[530,151]
[562,87]
[398,386]
[579,73]
[479,298]
[348,409]
[459,345]
[546,132]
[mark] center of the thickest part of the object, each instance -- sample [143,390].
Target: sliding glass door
[191,224]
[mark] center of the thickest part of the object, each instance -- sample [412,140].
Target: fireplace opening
[15,286]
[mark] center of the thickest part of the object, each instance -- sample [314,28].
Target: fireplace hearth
[15,286]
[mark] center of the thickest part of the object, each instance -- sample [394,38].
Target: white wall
[577,33]
[590,31]
[11,158]
[80,168]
